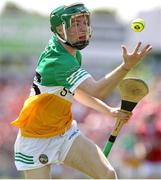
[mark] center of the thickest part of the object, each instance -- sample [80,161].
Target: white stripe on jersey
[76,75]
[79,81]
[57,90]
[74,80]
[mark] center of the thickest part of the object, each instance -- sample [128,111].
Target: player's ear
[59,29]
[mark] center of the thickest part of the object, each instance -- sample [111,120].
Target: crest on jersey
[43,158]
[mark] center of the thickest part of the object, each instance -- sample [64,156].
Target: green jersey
[57,67]
[47,112]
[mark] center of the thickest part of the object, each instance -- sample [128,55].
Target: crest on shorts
[43,158]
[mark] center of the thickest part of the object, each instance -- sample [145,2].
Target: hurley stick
[132,90]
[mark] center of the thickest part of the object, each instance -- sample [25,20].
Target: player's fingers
[124,120]
[137,47]
[125,114]
[124,49]
[146,50]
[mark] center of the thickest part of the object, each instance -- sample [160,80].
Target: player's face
[79,28]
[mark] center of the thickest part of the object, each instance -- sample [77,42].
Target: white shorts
[32,153]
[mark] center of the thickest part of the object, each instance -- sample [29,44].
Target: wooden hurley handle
[118,125]
[125,106]
[132,90]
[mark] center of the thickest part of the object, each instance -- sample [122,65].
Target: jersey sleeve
[76,78]
[64,70]
[70,75]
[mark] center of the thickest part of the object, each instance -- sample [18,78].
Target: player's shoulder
[55,55]
[56,50]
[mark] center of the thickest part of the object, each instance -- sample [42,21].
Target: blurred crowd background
[137,152]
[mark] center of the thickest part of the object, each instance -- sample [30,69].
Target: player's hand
[131,59]
[120,114]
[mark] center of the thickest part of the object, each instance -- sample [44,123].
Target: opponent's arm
[103,87]
[100,106]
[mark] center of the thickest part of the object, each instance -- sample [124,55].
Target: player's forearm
[92,102]
[107,84]
[103,87]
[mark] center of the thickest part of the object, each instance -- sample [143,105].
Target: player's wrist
[125,68]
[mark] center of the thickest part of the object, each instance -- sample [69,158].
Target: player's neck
[70,49]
